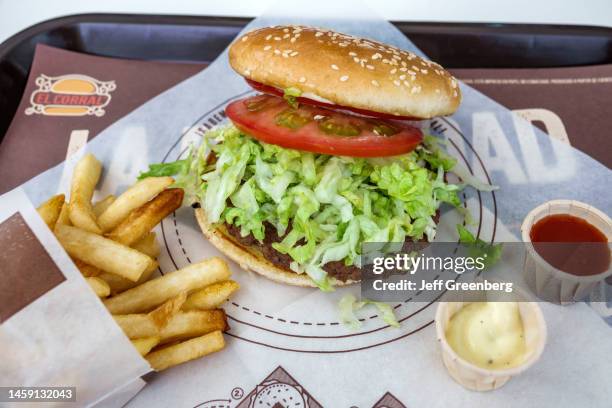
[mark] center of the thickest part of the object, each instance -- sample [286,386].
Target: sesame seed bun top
[346,70]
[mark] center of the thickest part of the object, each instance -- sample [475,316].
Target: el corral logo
[70,95]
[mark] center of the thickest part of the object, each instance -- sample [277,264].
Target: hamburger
[325,157]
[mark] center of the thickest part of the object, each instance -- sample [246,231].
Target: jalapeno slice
[292,118]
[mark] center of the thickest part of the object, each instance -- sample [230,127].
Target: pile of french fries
[170,319]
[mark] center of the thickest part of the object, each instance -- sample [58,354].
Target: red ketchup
[571,244]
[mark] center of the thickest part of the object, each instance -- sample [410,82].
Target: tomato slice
[258,86]
[314,129]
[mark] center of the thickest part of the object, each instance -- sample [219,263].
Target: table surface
[16,15]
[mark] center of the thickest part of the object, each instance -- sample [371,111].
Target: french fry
[103,253]
[180,326]
[211,296]
[132,198]
[143,219]
[119,284]
[186,351]
[145,297]
[164,313]
[64,216]
[148,245]
[137,326]
[84,179]
[100,287]
[87,270]
[103,204]
[186,325]
[50,210]
[145,345]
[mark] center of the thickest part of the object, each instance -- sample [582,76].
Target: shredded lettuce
[330,205]
[348,305]
[469,179]
[290,95]
[165,169]
[479,248]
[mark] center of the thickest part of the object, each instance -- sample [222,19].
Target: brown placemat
[69,91]
[579,96]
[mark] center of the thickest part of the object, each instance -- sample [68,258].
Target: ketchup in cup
[571,244]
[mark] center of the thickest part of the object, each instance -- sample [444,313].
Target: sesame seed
[277,52]
[268,37]
[424,71]
[376,56]
[318,34]
[402,77]
[302,80]
[344,78]
[375,82]
[334,67]
[286,36]
[370,66]
[353,54]
[285,30]
[247,72]
[406,83]
[267,47]
[245,38]
[411,72]
[385,61]
[285,55]
[396,82]
[292,40]
[277,38]
[393,71]
[293,54]
[356,59]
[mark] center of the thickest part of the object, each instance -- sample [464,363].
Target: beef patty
[336,269]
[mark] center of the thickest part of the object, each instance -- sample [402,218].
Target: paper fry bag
[54,331]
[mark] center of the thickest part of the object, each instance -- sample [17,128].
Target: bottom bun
[250,258]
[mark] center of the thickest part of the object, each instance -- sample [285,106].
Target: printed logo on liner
[70,95]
